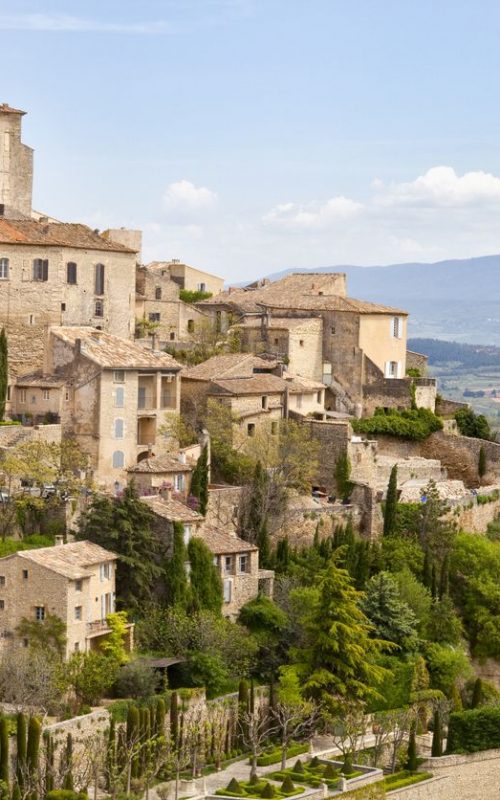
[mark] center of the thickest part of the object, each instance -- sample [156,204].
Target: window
[158,293]
[298,401]
[179,482]
[104,572]
[118,459]
[190,326]
[78,612]
[2,605]
[301,343]
[243,563]
[25,574]
[397,327]
[154,316]
[119,376]
[202,287]
[274,428]
[4,269]
[251,429]
[332,330]
[119,397]
[78,585]
[276,341]
[2,580]
[391,369]
[172,336]
[99,279]
[22,395]
[99,308]
[71,272]
[187,534]
[118,428]
[63,306]
[76,647]
[40,269]
[228,563]
[46,394]
[264,401]
[40,613]
[228,590]
[32,319]
[66,395]
[33,399]
[319,397]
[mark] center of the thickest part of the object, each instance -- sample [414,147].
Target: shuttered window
[40,269]
[71,271]
[99,279]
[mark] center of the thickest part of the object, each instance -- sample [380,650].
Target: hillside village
[236,523]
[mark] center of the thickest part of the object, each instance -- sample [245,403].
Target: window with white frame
[179,482]
[391,369]
[187,534]
[46,394]
[244,563]
[40,269]
[396,327]
[40,613]
[22,395]
[104,571]
[228,590]
[4,269]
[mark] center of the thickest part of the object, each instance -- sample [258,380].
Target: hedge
[400,779]
[412,424]
[274,757]
[474,730]
[373,791]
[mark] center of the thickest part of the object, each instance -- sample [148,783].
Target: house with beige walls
[153,474]
[75,582]
[189,278]
[115,399]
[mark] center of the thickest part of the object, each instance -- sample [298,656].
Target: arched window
[4,269]
[158,293]
[118,428]
[118,459]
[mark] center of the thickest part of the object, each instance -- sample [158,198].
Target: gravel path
[476,781]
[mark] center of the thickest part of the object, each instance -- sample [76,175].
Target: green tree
[47,635]
[255,508]
[391,503]
[113,645]
[22,741]
[411,759]
[4,369]
[481,463]
[123,525]
[4,751]
[342,475]
[199,481]
[206,584]
[33,753]
[269,625]
[391,618]
[477,693]
[437,736]
[89,675]
[436,532]
[177,584]
[471,424]
[340,658]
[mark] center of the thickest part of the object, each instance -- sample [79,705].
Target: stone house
[236,560]
[115,397]
[153,474]
[16,166]
[298,342]
[188,278]
[75,582]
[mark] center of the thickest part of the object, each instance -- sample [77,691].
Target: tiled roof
[253,384]
[284,323]
[231,364]
[330,303]
[219,542]
[113,352]
[159,464]
[6,109]
[299,385]
[50,234]
[172,510]
[71,560]
[39,379]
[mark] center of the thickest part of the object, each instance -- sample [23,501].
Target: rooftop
[39,379]
[219,542]
[159,464]
[6,109]
[112,352]
[332,303]
[231,364]
[71,560]
[56,234]
[173,510]
[284,323]
[253,384]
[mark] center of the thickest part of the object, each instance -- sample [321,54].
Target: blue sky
[245,136]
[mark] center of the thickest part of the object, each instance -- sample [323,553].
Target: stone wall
[447,408]
[371,522]
[223,505]
[333,437]
[416,361]
[396,393]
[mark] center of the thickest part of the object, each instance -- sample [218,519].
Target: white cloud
[291,215]
[66,23]
[184,197]
[441,187]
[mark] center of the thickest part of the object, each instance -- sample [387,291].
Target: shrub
[137,680]
[314,762]
[474,730]
[415,424]
[234,786]
[65,794]
[267,791]
[288,785]
[405,778]
[330,772]
[274,756]
[119,710]
[299,767]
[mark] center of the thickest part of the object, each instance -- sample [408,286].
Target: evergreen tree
[177,584]
[411,759]
[160,713]
[392,619]
[49,761]
[264,546]
[434,589]
[206,584]
[340,658]
[481,464]
[4,751]
[174,719]
[342,475]
[255,508]
[199,481]
[391,504]
[444,580]
[133,733]
[33,752]
[437,736]
[21,739]
[427,570]
[68,782]
[4,369]
[123,525]
[477,693]
[282,555]
[436,532]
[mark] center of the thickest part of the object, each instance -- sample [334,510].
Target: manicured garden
[405,778]
[259,788]
[313,773]
[273,756]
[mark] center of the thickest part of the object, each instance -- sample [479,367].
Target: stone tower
[16,166]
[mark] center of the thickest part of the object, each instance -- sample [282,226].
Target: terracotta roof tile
[253,384]
[220,542]
[172,510]
[50,234]
[38,379]
[159,464]
[231,364]
[71,560]
[111,351]
[6,109]
[330,303]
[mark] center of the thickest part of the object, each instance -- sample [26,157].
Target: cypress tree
[437,736]
[252,696]
[243,694]
[111,755]
[391,503]
[175,571]
[33,750]
[49,762]
[4,751]
[256,505]
[21,749]
[4,368]
[481,464]
[264,546]
[282,555]
[133,733]
[206,584]
[444,581]
[456,699]
[174,718]
[199,481]
[342,475]
[68,782]
[411,760]
[160,717]
[477,693]
[427,570]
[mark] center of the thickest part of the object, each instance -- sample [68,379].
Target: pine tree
[4,751]
[392,619]
[177,585]
[342,475]
[199,481]
[206,584]
[391,503]
[481,464]
[437,736]
[411,760]
[477,693]
[4,369]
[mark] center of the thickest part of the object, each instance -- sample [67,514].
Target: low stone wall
[454,760]
[447,408]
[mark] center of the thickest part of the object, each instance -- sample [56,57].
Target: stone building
[362,344]
[153,474]
[189,278]
[75,582]
[114,398]
[16,166]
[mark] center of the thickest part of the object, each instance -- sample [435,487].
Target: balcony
[98,627]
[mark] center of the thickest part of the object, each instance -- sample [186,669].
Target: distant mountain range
[456,300]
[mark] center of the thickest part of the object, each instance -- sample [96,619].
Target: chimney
[150,450]
[166,492]
[58,540]
[182,457]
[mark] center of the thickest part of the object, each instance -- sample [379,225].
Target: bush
[119,710]
[274,756]
[65,794]
[471,424]
[137,680]
[287,785]
[267,791]
[299,767]
[474,730]
[234,786]
[399,779]
[416,424]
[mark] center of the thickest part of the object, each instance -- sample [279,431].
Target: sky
[248,136]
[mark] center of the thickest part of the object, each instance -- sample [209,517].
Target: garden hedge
[474,730]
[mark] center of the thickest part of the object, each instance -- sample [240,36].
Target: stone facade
[16,166]
[75,582]
[189,278]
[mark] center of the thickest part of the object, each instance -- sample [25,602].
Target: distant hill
[455,300]
[465,355]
